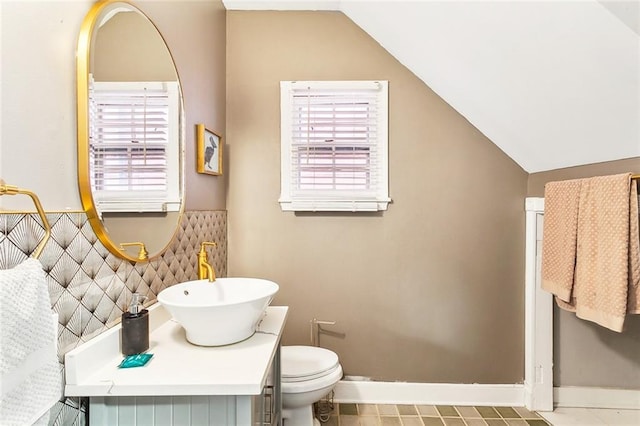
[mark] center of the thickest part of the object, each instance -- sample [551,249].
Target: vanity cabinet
[257,410]
[183,384]
[268,405]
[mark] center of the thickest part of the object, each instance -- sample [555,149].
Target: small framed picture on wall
[209,151]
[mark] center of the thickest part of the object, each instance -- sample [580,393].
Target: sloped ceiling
[552,83]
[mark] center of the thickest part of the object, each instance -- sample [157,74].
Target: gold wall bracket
[14,190]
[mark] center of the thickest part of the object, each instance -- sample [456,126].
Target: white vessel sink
[218,313]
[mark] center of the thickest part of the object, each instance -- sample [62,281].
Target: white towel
[31,381]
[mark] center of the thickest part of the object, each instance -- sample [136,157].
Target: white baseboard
[591,397]
[429,393]
[371,392]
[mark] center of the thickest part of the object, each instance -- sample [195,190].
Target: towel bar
[13,190]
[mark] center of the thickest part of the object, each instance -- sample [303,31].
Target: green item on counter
[137,360]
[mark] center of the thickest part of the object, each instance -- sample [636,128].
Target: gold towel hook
[13,190]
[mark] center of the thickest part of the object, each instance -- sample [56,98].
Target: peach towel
[559,236]
[591,248]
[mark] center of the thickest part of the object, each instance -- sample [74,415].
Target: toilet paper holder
[316,329]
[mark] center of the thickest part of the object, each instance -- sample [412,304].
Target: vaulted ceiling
[553,83]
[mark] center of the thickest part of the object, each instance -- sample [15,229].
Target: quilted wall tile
[89,287]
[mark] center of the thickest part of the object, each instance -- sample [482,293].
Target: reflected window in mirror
[133,152]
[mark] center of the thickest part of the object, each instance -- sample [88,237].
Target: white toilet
[308,374]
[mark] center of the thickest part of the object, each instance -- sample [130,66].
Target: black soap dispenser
[135,327]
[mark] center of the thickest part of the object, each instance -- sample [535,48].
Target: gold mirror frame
[83,66]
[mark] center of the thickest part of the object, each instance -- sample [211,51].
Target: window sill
[138,206]
[334,205]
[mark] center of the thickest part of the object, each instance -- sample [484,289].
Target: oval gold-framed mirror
[131,134]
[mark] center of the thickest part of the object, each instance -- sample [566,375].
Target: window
[334,144]
[133,148]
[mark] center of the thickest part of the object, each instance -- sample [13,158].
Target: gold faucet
[205,270]
[143,254]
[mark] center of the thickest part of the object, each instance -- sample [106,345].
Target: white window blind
[334,146]
[134,150]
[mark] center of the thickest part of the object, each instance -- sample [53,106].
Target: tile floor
[430,415]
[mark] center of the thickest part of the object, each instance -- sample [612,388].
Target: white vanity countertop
[177,366]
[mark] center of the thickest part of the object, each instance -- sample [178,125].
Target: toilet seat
[328,381]
[302,363]
[308,368]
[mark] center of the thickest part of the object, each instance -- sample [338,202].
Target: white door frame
[538,382]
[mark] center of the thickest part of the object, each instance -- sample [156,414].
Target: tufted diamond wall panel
[89,287]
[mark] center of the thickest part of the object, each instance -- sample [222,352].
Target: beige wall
[586,354]
[430,290]
[129,48]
